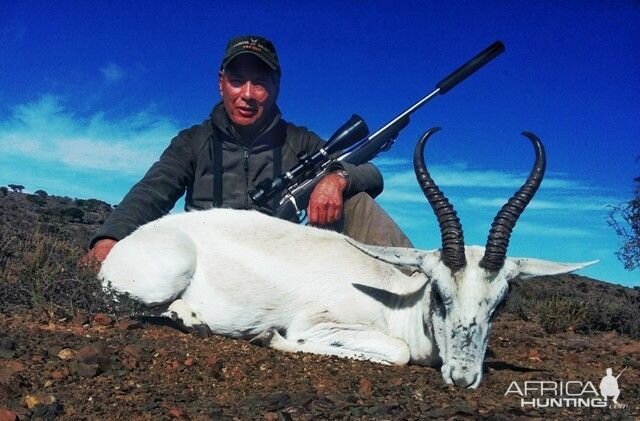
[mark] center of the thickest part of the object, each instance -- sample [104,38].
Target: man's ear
[276,82]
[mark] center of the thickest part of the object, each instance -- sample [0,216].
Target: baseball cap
[252,44]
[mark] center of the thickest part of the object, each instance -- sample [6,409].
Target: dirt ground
[94,367]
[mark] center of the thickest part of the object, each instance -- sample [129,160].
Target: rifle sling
[216,151]
[277,170]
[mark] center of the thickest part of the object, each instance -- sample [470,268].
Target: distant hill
[71,219]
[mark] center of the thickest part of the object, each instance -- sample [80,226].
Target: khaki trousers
[365,221]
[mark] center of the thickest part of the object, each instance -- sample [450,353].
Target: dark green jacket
[187,164]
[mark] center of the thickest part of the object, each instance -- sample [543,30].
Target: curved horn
[450,228]
[502,226]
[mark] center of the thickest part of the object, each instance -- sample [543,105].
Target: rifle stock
[295,201]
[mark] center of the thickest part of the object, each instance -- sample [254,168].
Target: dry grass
[570,302]
[40,271]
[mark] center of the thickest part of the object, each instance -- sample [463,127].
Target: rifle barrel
[406,112]
[442,88]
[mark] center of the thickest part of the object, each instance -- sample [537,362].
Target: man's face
[249,89]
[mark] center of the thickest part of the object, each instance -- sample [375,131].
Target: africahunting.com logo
[568,394]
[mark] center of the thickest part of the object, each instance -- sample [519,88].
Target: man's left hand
[326,202]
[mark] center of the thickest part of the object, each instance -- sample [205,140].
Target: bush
[38,270]
[625,220]
[558,314]
[38,200]
[563,303]
[73,214]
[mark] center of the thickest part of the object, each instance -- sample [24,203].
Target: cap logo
[258,46]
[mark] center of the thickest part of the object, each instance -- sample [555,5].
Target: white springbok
[298,288]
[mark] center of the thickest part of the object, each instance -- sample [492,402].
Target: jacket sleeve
[155,194]
[362,178]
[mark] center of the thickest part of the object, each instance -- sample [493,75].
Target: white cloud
[390,162]
[45,131]
[525,228]
[459,176]
[598,204]
[112,72]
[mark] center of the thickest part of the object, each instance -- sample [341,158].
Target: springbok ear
[537,267]
[400,256]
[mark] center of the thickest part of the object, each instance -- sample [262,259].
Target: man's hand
[326,202]
[98,253]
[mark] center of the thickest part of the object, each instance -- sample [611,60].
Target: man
[243,142]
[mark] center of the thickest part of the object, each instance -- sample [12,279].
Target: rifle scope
[350,133]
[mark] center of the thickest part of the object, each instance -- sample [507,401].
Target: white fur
[246,274]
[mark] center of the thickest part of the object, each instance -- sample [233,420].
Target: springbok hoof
[200,331]
[263,339]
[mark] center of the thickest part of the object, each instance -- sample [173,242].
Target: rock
[128,324]
[54,351]
[173,366]
[66,354]
[80,319]
[131,356]
[216,367]
[462,408]
[10,378]
[7,415]
[7,343]
[278,401]
[534,355]
[48,408]
[91,360]
[60,374]
[365,387]
[189,362]
[133,351]
[438,413]
[86,370]
[7,353]
[177,413]
[271,416]
[211,361]
[93,354]
[102,319]
[380,410]
[31,401]
[7,348]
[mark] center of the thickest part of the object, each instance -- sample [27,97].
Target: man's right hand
[98,252]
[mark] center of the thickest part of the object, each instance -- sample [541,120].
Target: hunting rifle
[355,144]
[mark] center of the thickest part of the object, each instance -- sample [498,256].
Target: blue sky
[92,92]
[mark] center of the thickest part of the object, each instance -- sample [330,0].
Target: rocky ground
[100,368]
[62,357]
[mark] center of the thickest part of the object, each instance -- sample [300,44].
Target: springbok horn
[450,229]
[505,220]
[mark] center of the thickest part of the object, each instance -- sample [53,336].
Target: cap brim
[269,63]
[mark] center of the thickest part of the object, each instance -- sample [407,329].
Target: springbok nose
[463,377]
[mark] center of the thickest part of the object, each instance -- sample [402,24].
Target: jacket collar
[220,119]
